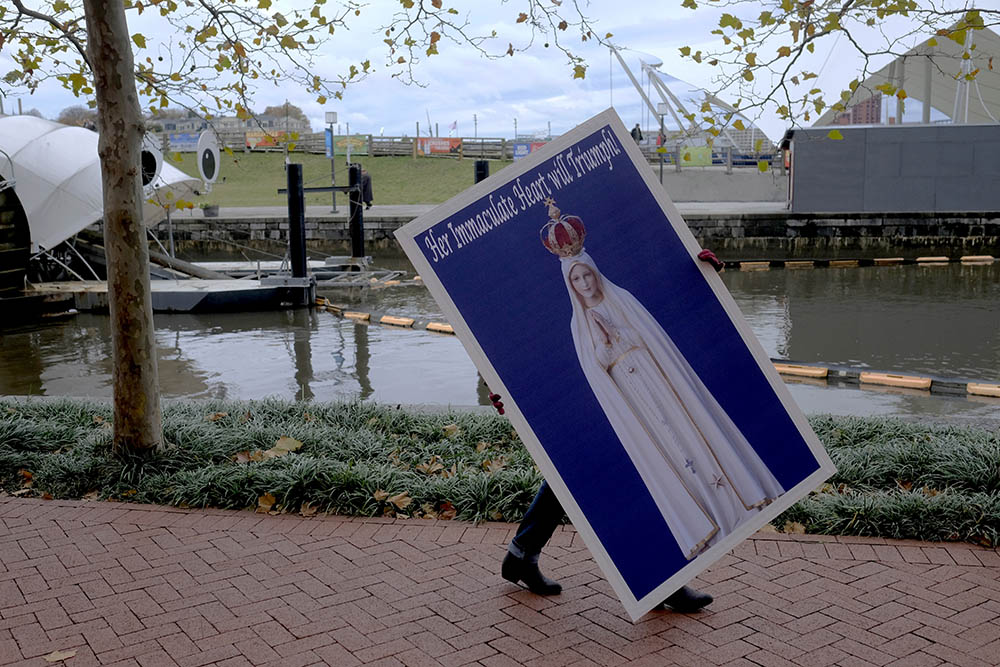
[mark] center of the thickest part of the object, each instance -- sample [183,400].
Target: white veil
[691,525]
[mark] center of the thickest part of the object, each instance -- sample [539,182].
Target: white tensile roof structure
[56,173]
[934,72]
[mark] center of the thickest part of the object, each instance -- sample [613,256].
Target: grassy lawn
[894,479]
[253,179]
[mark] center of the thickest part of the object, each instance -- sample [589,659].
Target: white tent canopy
[57,177]
[932,73]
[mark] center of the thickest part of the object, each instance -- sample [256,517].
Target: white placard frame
[635,607]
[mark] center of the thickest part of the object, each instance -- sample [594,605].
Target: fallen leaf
[98,419]
[905,486]
[451,430]
[287,444]
[247,416]
[11,411]
[794,527]
[401,500]
[380,495]
[768,528]
[497,516]
[481,445]
[373,421]
[428,511]
[216,416]
[92,495]
[494,465]
[308,417]
[266,502]
[46,496]
[59,656]
[432,466]
[447,511]
[308,509]
[27,478]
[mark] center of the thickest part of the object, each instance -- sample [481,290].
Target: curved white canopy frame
[57,174]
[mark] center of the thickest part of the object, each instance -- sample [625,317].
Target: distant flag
[454,125]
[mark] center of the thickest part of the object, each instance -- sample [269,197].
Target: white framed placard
[624,364]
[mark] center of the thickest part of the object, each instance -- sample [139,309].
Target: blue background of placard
[510,291]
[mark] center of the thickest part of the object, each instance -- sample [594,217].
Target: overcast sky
[535,88]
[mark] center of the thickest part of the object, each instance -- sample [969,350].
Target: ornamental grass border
[895,479]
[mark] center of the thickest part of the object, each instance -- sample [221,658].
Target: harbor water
[942,321]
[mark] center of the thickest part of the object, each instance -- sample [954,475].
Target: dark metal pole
[356,224]
[482,170]
[296,221]
[333,170]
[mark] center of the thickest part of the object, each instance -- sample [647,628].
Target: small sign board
[525,148]
[626,367]
[339,144]
[440,145]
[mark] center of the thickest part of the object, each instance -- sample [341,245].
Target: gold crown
[562,235]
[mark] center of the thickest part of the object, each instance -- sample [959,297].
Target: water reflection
[942,320]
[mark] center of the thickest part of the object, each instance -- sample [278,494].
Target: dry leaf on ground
[482,445]
[794,527]
[432,466]
[451,430]
[401,500]
[447,511]
[216,416]
[308,509]
[266,502]
[59,656]
[380,495]
[494,465]
[768,528]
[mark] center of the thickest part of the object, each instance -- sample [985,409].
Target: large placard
[626,367]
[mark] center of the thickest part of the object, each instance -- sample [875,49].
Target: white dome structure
[56,174]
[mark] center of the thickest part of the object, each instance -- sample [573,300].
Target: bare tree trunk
[136,386]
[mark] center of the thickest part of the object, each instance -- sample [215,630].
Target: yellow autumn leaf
[139,39]
[738,124]
[287,444]
[763,166]
[380,495]
[401,500]
[216,416]
[265,503]
[451,430]
[836,135]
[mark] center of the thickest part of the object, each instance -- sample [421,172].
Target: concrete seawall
[736,230]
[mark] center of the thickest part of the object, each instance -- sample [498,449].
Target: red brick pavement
[147,586]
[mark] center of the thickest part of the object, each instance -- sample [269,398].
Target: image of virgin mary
[701,472]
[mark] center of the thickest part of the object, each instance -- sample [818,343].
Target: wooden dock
[191,296]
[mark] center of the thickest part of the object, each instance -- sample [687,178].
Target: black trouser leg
[540,521]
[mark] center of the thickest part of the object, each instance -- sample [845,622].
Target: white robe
[701,472]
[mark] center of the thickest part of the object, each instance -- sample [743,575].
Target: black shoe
[517,569]
[686,600]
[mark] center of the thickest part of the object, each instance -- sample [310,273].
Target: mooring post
[356,225]
[482,170]
[296,221]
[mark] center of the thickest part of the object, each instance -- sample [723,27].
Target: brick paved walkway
[139,585]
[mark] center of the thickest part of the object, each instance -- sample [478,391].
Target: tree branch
[68,34]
